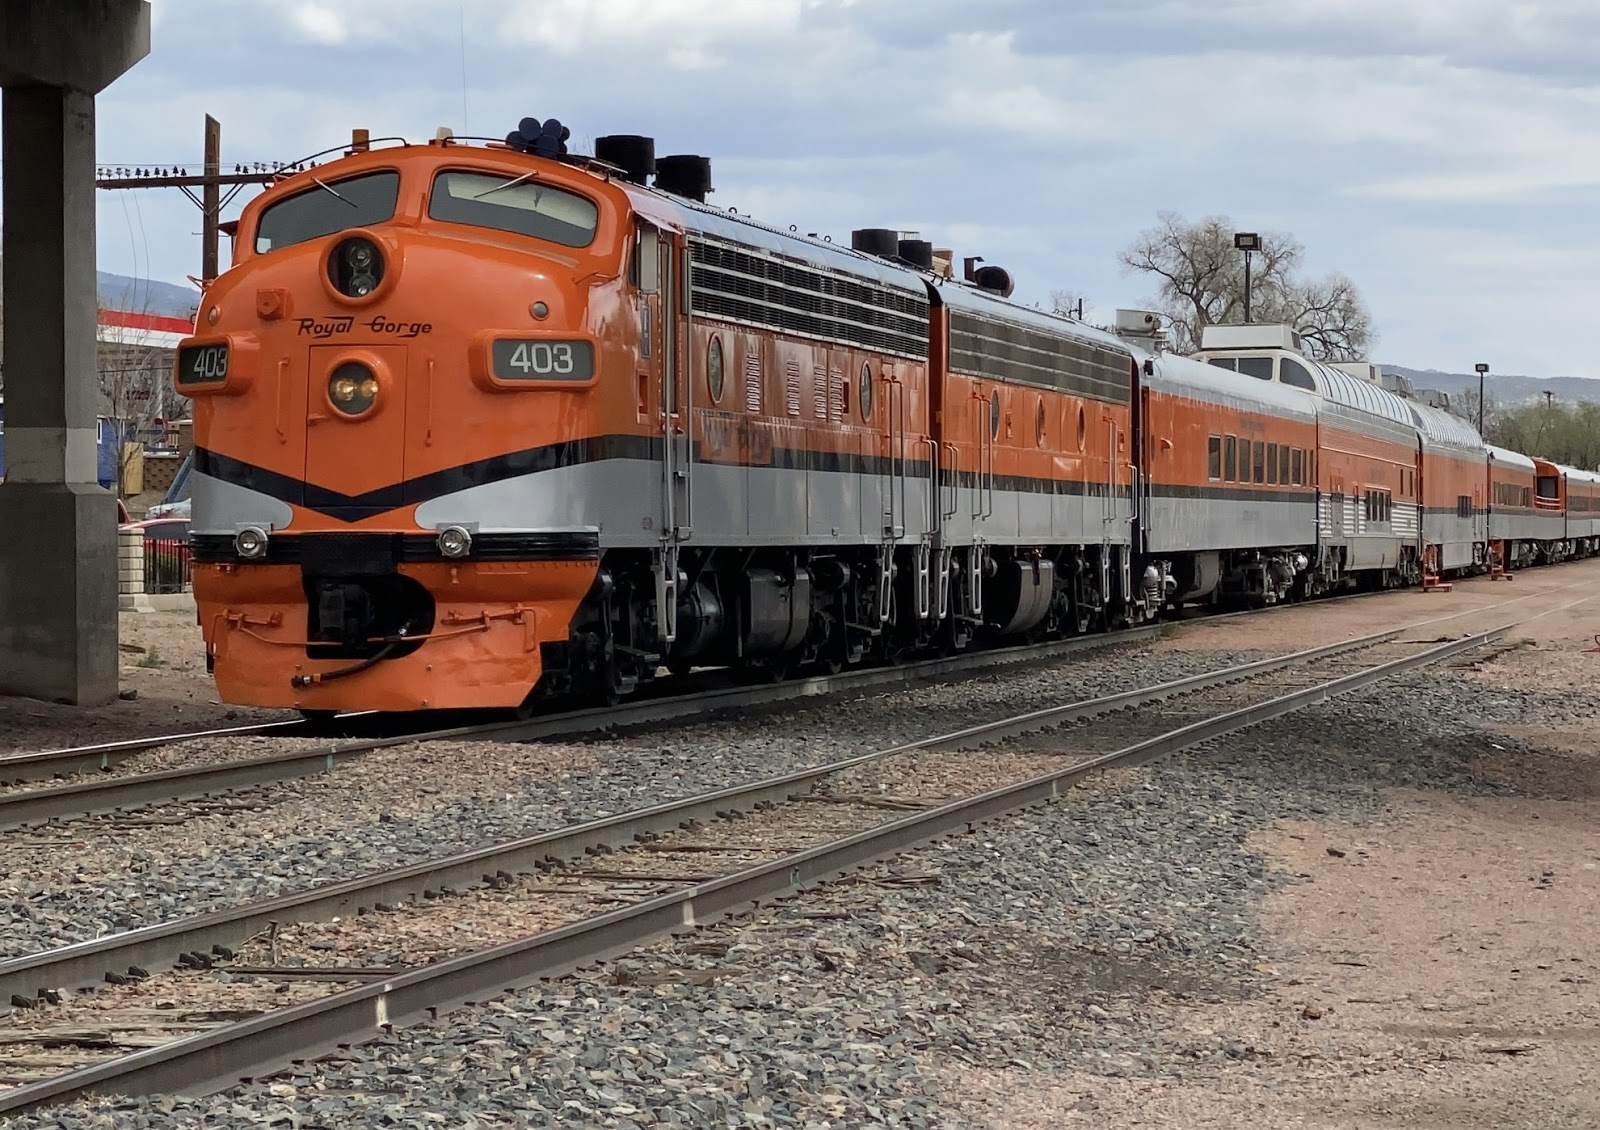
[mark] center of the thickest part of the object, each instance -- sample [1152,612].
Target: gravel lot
[1098,963]
[1218,938]
[93,877]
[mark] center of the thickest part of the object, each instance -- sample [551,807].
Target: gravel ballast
[89,878]
[1064,939]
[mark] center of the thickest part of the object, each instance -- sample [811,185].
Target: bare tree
[133,389]
[1201,283]
[1067,303]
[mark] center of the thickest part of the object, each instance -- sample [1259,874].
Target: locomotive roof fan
[918,253]
[684,174]
[995,280]
[634,155]
[882,242]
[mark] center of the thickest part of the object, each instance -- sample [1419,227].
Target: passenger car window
[323,210]
[1291,372]
[1229,465]
[1223,363]
[522,207]
[1214,457]
[1258,367]
[1260,461]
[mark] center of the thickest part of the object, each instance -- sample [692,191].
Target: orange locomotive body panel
[1183,457]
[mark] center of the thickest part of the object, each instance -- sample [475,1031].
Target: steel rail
[16,768]
[45,764]
[118,794]
[34,765]
[25,978]
[222,1057]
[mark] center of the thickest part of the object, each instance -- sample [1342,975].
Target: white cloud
[1390,135]
[319,23]
[570,26]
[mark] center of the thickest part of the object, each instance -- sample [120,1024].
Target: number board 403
[203,364]
[541,360]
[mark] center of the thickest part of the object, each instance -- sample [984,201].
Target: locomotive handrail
[988,506]
[955,484]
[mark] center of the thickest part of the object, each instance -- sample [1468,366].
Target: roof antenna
[462,10]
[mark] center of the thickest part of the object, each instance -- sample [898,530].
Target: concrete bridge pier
[58,540]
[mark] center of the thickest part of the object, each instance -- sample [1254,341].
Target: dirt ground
[1536,598]
[1444,963]
[162,664]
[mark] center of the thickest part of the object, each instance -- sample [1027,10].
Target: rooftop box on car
[1249,337]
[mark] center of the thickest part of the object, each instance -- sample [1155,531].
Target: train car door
[664,301]
[355,402]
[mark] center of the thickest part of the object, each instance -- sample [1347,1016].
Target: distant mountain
[1501,388]
[146,296]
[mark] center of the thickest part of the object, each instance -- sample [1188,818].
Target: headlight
[251,543]
[356,267]
[352,388]
[455,542]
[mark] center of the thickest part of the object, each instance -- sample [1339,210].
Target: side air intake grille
[760,289]
[1010,352]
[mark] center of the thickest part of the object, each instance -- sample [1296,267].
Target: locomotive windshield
[519,205]
[326,208]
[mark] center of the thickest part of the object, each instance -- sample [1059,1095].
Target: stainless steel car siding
[1509,525]
[1181,525]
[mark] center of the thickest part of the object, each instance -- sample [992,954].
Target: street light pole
[1247,241]
[1482,370]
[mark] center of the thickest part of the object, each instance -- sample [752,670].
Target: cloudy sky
[1443,153]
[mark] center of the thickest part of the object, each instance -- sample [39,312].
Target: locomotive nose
[356,405]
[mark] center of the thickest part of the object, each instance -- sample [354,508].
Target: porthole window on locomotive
[1039,429]
[1083,428]
[864,391]
[994,414]
[714,369]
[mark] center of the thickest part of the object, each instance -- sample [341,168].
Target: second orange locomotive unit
[480,423]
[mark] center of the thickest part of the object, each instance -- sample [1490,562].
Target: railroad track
[246,992]
[123,793]
[115,794]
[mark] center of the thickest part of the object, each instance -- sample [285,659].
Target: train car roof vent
[684,174]
[917,252]
[1144,326]
[882,242]
[634,155]
[1256,335]
[995,280]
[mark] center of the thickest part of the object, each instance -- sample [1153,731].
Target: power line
[211,200]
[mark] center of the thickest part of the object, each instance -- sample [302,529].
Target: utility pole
[211,200]
[1548,398]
